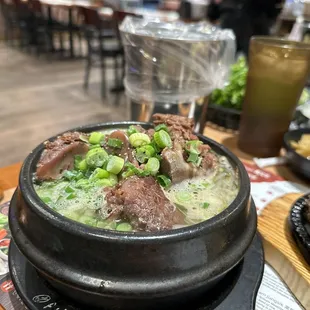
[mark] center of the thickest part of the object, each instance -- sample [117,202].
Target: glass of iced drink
[278,71]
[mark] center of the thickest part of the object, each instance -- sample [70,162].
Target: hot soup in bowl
[133,179]
[133,215]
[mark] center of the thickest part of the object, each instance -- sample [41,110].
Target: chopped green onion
[103,182]
[127,174]
[113,179]
[111,225]
[71,196]
[155,146]
[83,183]
[205,205]
[193,158]
[199,161]
[152,165]
[115,164]
[193,146]
[205,184]
[82,165]
[59,198]
[84,138]
[139,139]
[131,130]
[77,160]
[132,169]
[141,157]
[161,127]
[99,174]
[46,200]
[94,146]
[96,137]
[69,175]
[124,227]
[162,139]
[148,150]
[158,157]
[116,143]
[144,152]
[101,224]
[4,218]
[163,180]
[88,220]
[79,176]
[183,196]
[69,189]
[96,157]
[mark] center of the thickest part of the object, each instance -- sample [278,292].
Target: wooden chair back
[91,17]
[35,6]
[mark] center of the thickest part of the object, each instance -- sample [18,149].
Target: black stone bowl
[299,164]
[117,270]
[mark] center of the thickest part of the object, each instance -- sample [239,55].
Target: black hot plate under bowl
[237,290]
[106,268]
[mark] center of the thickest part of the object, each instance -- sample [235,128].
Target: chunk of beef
[59,155]
[150,132]
[209,159]
[174,161]
[180,127]
[126,151]
[142,202]
[175,166]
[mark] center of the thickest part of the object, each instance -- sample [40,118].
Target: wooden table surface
[280,248]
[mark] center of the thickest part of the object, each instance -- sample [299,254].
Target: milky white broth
[198,199]
[202,198]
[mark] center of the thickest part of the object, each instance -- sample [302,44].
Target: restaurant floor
[40,97]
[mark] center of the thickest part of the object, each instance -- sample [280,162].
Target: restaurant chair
[62,23]
[67,23]
[103,42]
[4,9]
[38,28]
[21,23]
[11,23]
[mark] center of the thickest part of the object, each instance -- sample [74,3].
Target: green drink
[278,71]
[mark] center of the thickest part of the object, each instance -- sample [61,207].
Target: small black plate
[300,227]
[299,164]
[224,117]
[238,290]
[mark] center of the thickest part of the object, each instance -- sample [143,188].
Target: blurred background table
[86,3]
[168,16]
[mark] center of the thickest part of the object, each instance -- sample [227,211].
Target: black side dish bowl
[299,164]
[299,222]
[224,117]
[126,270]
